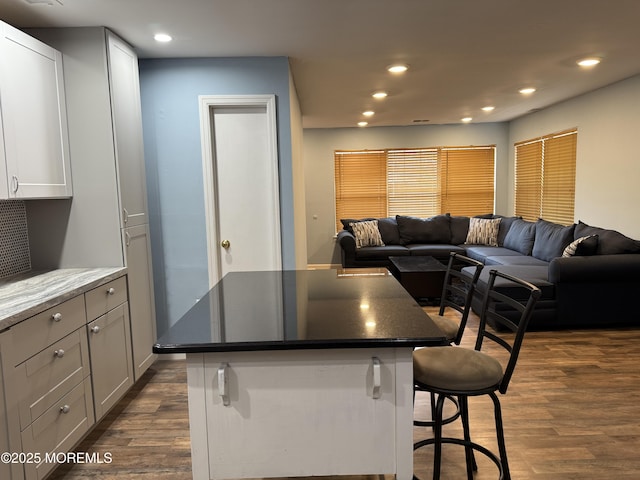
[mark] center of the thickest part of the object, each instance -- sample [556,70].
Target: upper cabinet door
[34,118]
[127,127]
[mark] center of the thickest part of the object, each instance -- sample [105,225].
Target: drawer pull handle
[65,409]
[95,329]
[58,353]
[376,377]
[56,317]
[111,291]
[223,384]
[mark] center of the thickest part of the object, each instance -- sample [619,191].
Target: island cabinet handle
[223,384]
[56,317]
[111,291]
[65,409]
[375,363]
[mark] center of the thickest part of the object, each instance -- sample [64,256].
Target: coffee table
[421,276]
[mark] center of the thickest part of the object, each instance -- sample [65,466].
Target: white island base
[298,413]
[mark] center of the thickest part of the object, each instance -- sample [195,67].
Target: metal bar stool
[457,293]
[463,373]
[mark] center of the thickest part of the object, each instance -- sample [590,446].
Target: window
[419,182]
[545,177]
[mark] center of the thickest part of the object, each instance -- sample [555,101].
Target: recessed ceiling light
[589,62]
[368,113]
[380,95]
[397,68]
[527,91]
[466,119]
[488,108]
[363,124]
[162,37]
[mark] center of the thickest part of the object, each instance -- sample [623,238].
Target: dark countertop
[305,309]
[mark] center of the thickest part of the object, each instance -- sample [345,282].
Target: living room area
[606,165]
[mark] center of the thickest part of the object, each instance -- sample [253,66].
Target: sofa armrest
[599,268]
[347,241]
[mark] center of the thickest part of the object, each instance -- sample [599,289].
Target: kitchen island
[301,373]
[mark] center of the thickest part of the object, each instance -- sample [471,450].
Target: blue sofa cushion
[538,275]
[551,239]
[610,242]
[520,236]
[515,260]
[424,230]
[481,252]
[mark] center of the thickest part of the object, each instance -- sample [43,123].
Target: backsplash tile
[14,238]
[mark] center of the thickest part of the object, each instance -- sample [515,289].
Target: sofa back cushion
[424,230]
[459,228]
[610,242]
[551,239]
[387,226]
[521,236]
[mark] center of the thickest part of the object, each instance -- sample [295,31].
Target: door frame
[207,103]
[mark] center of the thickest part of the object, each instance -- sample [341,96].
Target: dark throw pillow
[520,236]
[551,239]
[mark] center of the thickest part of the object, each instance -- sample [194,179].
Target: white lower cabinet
[141,303]
[58,429]
[62,370]
[296,413]
[111,366]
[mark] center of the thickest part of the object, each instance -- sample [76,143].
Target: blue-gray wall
[169,94]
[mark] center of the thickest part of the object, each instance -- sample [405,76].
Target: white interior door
[241,184]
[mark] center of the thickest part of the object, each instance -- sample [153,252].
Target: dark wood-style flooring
[572,412]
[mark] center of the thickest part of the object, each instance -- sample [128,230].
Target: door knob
[225,244]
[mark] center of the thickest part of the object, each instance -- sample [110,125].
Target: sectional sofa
[589,276]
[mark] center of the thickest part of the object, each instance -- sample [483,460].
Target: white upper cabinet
[127,127]
[34,119]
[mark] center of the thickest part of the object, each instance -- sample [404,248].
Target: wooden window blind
[545,178]
[361,185]
[412,182]
[528,180]
[559,179]
[468,180]
[420,182]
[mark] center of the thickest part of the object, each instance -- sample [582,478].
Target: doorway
[240,170]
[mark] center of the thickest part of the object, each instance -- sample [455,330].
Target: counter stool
[457,294]
[462,373]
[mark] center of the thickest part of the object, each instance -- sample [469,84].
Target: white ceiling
[462,54]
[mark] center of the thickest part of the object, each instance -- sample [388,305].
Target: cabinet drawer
[59,428]
[35,333]
[105,297]
[46,377]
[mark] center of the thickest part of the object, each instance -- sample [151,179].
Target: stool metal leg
[500,437]
[468,451]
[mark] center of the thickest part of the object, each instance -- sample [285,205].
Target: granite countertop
[304,309]
[27,294]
